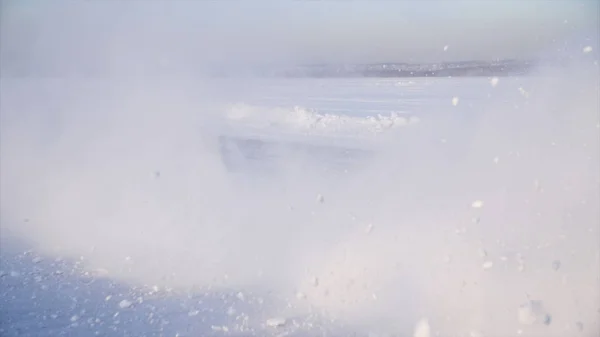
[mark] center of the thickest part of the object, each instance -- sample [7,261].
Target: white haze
[127,174]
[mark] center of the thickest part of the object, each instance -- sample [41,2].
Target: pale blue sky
[127,32]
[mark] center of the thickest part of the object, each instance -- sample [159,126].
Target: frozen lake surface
[301,207]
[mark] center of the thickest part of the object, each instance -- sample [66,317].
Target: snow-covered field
[309,207]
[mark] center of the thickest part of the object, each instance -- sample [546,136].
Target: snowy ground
[301,207]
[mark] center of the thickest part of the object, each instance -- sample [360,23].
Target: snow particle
[587,49]
[494,81]
[533,312]
[475,333]
[369,228]
[125,304]
[460,230]
[447,259]
[537,185]
[455,101]
[523,92]
[477,204]
[488,265]
[276,322]
[422,329]
[445,48]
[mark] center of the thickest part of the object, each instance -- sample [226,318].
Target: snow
[533,312]
[124,304]
[276,322]
[524,92]
[488,265]
[422,329]
[212,249]
[296,119]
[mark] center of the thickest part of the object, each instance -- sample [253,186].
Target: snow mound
[299,119]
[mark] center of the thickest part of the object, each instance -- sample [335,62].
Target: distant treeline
[457,69]
[390,70]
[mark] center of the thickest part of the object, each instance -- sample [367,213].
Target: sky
[124,34]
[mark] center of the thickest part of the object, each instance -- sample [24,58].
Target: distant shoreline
[390,70]
[499,68]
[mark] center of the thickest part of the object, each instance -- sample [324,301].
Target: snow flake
[276,322]
[125,304]
[422,329]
